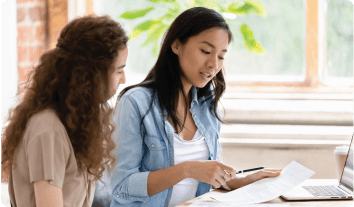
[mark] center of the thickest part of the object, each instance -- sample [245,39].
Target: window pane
[282,35]
[339,38]
[140,59]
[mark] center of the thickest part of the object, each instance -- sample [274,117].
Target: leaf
[162,1]
[134,34]
[208,4]
[155,49]
[154,33]
[221,7]
[146,25]
[249,42]
[247,8]
[136,13]
[142,27]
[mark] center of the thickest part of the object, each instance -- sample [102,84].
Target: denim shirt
[140,152]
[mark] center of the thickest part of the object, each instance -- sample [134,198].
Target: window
[339,40]
[281,33]
[309,46]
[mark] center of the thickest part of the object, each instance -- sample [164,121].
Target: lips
[206,75]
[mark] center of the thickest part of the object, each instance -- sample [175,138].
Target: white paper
[268,188]
[212,204]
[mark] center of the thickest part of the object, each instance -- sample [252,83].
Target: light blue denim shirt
[140,152]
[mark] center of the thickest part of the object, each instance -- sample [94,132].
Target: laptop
[342,191]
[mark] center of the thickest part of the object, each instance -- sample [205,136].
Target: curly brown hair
[73,80]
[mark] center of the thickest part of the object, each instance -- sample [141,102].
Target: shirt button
[195,116]
[117,196]
[152,145]
[205,134]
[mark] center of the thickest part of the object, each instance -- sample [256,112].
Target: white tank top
[195,149]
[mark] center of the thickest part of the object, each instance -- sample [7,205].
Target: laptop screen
[348,173]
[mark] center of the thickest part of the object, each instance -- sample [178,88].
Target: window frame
[315,51]
[315,60]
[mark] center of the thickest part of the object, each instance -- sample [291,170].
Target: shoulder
[45,121]
[138,94]
[46,118]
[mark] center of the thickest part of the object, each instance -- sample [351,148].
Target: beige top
[46,153]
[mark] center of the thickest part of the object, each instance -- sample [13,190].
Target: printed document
[211,204]
[268,188]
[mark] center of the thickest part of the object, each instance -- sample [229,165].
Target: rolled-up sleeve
[218,145]
[128,184]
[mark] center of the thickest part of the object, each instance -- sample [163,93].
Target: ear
[175,46]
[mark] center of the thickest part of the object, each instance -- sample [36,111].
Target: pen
[248,170]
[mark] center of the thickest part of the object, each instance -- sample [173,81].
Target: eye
[221,58]
[205,51]
[119,72]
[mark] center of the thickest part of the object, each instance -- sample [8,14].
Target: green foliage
[247,8]
[162,1]
[156,27]
[136,13]
[249,42]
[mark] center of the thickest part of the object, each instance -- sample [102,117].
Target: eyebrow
[121,67]
[211,45]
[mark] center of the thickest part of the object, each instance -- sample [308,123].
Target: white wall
[8,74]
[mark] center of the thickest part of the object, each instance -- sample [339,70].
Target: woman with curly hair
[58,140]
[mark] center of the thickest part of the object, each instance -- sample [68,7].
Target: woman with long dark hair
[58,140]
[168,126]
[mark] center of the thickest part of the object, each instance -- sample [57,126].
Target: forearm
[161,180]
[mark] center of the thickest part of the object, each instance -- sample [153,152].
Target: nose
[213,63]
[122,79]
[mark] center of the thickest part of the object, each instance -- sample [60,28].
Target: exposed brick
[35,53]
[24,1]
[21,14]
[25,34]
[22,74]
[40,34]
[37,13]
[22,53]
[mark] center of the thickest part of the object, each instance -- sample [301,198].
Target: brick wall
[32,30]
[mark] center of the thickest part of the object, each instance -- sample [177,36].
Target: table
[332,203]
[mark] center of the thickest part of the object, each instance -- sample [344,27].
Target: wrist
[248,179]
[185,169]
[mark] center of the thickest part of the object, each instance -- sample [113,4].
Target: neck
[186,87]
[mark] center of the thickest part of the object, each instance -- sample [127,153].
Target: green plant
[155,28]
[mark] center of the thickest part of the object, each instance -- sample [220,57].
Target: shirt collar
[195,94]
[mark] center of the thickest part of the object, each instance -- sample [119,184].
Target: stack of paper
[209,204]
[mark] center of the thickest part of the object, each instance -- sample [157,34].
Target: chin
[201,85]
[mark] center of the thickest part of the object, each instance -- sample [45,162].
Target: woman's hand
[239,182]
[213,172]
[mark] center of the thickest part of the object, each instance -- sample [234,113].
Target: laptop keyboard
[326,190]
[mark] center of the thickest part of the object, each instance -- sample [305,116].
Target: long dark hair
[164,78]
[73,81]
